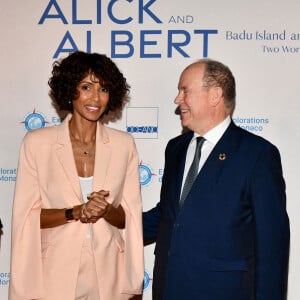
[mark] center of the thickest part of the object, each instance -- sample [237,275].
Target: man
[229,238]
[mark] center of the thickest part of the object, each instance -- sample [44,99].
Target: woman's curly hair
[69,72]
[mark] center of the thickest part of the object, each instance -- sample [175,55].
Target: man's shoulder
[186,136]
[248,138]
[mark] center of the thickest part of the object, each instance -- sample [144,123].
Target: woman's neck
[83,132]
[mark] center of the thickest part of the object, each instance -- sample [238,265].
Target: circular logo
[145,174]
[147,280]
[34,120]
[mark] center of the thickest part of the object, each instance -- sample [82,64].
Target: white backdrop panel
[152,41]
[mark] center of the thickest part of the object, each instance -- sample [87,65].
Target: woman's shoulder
[118,134]
[44,134]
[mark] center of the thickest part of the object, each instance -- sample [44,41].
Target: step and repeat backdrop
[152,41]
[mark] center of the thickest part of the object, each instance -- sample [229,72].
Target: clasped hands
[97,207]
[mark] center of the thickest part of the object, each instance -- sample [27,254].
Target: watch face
[69,214]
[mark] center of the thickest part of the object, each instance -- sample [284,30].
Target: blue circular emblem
[147,280]
[34,120]
[145,174]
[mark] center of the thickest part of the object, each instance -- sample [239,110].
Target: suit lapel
[179,161]
[65,155]
[220,156]
[102,157]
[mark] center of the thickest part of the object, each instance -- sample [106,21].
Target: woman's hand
[96,208]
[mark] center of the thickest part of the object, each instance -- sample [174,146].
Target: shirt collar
[214,135]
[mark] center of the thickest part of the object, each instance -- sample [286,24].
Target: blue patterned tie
[193,171]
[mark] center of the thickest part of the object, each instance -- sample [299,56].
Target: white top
[86,184]
[211,139]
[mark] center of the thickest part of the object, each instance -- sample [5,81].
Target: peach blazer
[45,262]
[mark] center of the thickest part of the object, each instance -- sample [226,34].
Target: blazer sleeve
[26,262]
[152,217]
[151,220]
[132,204]
[271,226]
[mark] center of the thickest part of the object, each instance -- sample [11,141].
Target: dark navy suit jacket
[230,240]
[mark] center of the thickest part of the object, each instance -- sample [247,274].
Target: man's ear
[215,95]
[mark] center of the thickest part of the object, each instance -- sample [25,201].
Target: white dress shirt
[211,139]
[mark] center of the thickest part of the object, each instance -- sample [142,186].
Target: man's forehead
[190,76]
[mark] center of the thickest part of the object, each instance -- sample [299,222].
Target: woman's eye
[86,87]
[104,90]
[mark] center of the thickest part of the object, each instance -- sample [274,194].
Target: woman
[77,205]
